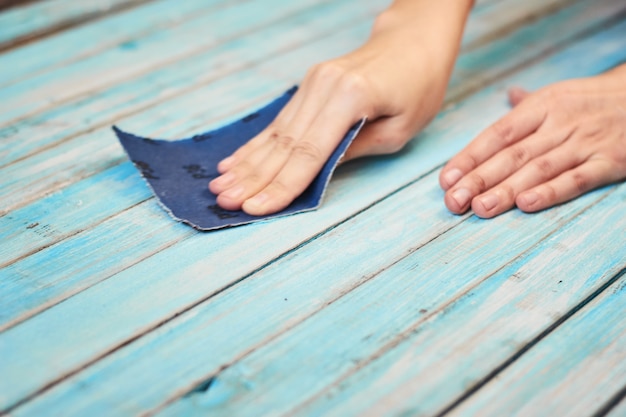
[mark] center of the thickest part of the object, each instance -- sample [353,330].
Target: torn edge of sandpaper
[178,172]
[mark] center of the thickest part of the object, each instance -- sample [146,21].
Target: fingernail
[258,200]
[530,198]
[451,177]
[462,197]
[489,201]
[233,193]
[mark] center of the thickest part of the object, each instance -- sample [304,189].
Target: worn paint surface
[379,303]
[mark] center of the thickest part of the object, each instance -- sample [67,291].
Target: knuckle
[549,192]
[508,192]
[307,151]
[353,83]
[503,131]
[581,182]
[282,142]
[478,181]
[469,161]
[329,70]
[519,155]
[545,166]
[243,169]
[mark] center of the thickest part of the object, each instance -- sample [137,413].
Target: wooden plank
[453,350]
[44,17]
[70,219]
[491,20]
[25,241]
[74,218]
[482,64]
[108,32]
[476,69]
[573,371]
[619,410]
[40,181]
[186,76]
[44,130]
[291,290]
[113,66]
[161,277]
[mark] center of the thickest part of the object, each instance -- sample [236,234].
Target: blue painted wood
[574,370]
[139,283]
[23,300]
[30,20]
[619,410]
[48,128]
[36,185]
[223,332]
[446,355]
[68,46]
[46,167]
[94,73]
[30,240]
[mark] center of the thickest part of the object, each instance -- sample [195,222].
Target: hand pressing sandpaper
[179,171]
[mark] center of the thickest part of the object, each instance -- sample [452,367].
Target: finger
[284,117]
[250,175]
[307,157]
[591,174]
[544,168]
[516,95]
[251,178]
[522,121]
[239,171]
[498,168]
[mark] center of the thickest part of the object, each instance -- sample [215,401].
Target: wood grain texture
[33,239]
[455,349]
[108,32]
[571,372]
[381,302]
[44,17]
[122,62]
[178,276]
[183,77]
[619,410]
[50,169]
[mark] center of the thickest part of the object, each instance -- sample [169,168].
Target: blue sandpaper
[178,172]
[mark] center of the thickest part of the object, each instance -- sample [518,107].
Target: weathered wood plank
[20,219]
[77,218]
[108,32]
[196,258]
[113,66]
[44,130]
[43,17]
[445,356]
[619,410]
[300,285]
[73,217]
[573,371]
[186,76]
[45,180]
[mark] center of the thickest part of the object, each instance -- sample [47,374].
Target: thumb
[380,137]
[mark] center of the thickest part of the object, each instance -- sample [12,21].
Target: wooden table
[379,303]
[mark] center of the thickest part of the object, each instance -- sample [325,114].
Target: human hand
[397,80]
[375,81]
[555,145]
